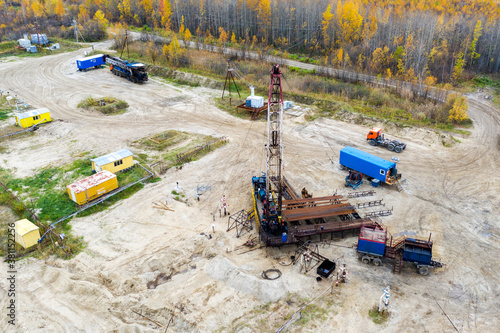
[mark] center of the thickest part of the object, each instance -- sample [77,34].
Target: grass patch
[301,70]
[105,105]
[269,317]
[168,146]
[5,108]
[162,141]
[312,312]
[378,317]
[4,114]
[46,193]
[223,104]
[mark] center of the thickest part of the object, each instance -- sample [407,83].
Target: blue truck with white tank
[369,165]
[95,61]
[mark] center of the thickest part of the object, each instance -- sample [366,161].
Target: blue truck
[376,244]
[370,165]
[132,71]
[95,61]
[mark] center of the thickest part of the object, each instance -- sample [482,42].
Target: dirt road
[205,285]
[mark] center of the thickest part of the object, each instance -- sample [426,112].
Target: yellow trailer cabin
[114,162]
[26,233]
[34,117]
[92,187]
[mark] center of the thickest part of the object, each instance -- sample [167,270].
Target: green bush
[378,98]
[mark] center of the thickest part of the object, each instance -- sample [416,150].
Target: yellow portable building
[26,233]
[92,187]
[114,162]
[34,117]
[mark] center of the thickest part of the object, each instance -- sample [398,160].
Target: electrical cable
[272,270]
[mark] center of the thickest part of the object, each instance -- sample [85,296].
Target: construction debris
[380,213]
[360,194]
[161,205]
[371,204]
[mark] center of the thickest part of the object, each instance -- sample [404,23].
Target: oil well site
[191,219]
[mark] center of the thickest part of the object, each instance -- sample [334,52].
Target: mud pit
[205,285]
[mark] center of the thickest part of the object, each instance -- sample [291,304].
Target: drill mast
[274,182]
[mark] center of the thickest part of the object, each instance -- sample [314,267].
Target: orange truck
[376,138]
[92,187]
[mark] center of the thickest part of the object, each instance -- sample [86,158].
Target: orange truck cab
[374,133]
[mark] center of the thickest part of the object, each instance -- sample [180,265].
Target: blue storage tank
[418,254]
[367,164]
[89,62]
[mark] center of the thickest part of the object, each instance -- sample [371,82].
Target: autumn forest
[422,41]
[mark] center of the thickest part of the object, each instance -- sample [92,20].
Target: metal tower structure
[229,77]
[274,161]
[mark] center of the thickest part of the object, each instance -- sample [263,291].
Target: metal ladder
[398,262]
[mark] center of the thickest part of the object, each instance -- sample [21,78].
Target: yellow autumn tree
[187,35]
[380,59]
[59,9]
[223,36]
[458,68]
[165,50]
[83,14]
[165,13]
[182,28]
[152,51]
[326,24]
[264,12]
[147,6]
[477,33]
[233,38]
[459,106]
[101,18]
[38,10]
[349,21]
[125,10]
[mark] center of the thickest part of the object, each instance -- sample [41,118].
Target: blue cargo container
[369,165]
[372,240]
[371,247]
[415,253]
[89,62]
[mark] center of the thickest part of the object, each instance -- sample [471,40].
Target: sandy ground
[208,285]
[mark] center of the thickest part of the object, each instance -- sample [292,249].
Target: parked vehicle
[376,138]
[134,72]
[369,165]
[375,244]
[95,61]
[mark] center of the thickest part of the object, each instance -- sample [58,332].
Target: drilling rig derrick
[274,160]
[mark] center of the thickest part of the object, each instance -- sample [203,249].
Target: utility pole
[76,32]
